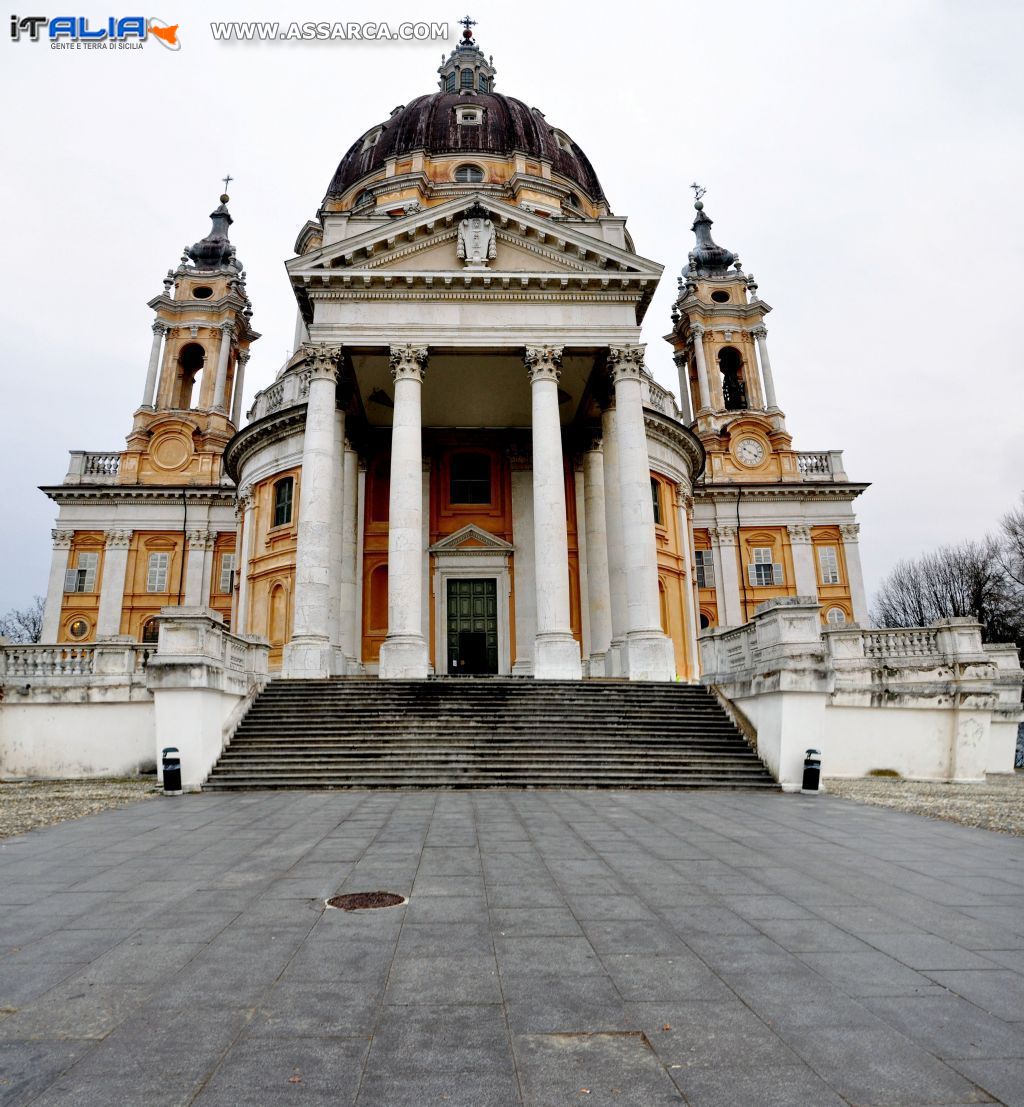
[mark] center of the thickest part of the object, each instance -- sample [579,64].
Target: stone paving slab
[558,947]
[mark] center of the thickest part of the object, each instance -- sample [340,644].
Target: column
[55,586]
[336,492]
[648,649]
[115,565]
[697,333]
[521,464]
[556,654]
[236,406]
[227,331]
[684,509]
[200,545]
[730,610]
[349,544]
[159,330]
[243,553]
[613,528]
[716,557]
[684,387]
[599,597]
[854,572]
[760,333]
[803,561]
[308,654]
[403,655]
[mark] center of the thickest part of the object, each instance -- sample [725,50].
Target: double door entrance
[472,626]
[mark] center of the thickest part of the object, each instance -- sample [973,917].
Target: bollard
[172,771]
[812,773]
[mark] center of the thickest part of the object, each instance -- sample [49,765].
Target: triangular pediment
[472,539]
[425,242]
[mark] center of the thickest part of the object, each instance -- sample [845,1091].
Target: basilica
[465,466]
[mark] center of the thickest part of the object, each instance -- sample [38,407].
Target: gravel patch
[998,804]
[30,804]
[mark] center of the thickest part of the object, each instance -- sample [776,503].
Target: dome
[430,123]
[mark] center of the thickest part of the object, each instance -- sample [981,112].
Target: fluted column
[697,331]
[685,407]
[760,333]
[615,661]
[403,654]
[648,649]
[599,598]
[115,565]
[308,654]
[227,331]
[854,572]
[236,406]
[159,330]
[62,540]
[556,654]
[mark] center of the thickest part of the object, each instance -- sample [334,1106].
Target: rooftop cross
[468,23]
[227,180]
[698,191]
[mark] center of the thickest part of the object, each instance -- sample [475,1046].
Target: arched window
[469,174]
[277,629]
[365,196]
[190,363]
[734,391]
[150,632]
[284,492]
[705,622]
[470,479]
[835,617]
[450,82]
[466,78]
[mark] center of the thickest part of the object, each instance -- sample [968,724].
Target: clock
[750,452]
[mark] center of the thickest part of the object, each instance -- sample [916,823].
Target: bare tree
[23,625]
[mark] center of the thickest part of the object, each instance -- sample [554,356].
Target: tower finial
[227,180]
[468,23]
[698,194]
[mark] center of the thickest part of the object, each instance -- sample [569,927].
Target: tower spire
[707,258]
[215,250]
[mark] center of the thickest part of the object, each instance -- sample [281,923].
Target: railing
[660,399]
[291,389]
[46,663]
[814,465]
[101,465]
[912,642]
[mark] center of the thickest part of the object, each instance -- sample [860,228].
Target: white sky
[864,159]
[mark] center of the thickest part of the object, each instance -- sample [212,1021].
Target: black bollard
[172,771]
[812,773]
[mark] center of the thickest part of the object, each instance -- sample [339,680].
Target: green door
[472,626]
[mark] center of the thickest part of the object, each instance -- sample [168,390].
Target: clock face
[750,452]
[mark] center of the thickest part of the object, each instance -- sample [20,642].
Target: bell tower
[725,378]
[192,400]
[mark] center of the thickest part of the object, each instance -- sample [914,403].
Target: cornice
[204,495]
[726,493]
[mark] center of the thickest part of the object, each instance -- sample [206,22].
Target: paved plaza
[558,947]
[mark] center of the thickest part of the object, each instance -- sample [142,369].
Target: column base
[598,665]
[650,656]
[307,658]
[404,657]
[556,657]
[615,659]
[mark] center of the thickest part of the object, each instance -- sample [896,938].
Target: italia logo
[79,29]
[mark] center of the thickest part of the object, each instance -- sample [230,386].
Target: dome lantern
[466,69]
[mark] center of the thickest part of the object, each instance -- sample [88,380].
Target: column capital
[680,357]
[849,531]
[723,535]
[594,444]
[760,331]
[243,357]
[117,539]
[200,539]
[62,539]
[697,330]
[683,498]
[160,328]
[799,533]
[626,362]
[321,360]
[227,328]
[543,363]
[408,362]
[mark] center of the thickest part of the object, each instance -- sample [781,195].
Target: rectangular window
[656,500]
[83,578]
[471,479]
[705,568]
[156,576]
[283,501]
[227,573]
[762,572]
[828,563]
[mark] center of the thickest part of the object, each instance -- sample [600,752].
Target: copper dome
[429,123]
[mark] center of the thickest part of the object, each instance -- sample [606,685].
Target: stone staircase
[486,732]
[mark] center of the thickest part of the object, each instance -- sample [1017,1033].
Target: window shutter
[752,575]
[777,574]
[71,580]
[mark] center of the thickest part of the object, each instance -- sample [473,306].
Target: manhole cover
[366,901]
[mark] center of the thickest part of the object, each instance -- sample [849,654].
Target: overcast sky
[864,159]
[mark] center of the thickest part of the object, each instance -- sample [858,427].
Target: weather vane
[698,190]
